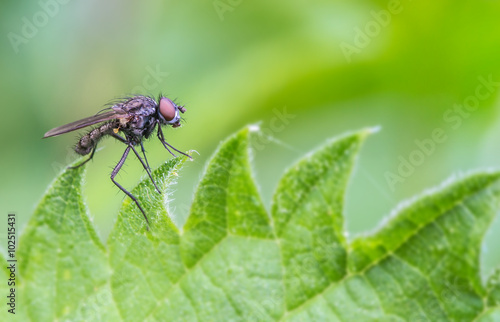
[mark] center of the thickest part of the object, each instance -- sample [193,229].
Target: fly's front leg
[113,175]
[166,145]
[160,137]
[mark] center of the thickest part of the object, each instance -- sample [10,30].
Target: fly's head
[169,112]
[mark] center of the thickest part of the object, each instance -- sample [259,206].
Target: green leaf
[145,263]
[424,263]
[235,261]
[62,263]
[223,260]
[494,290]
[307,212]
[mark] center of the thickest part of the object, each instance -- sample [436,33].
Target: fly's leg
[144,154]
[145,166]
[113,175]
[118,137]
[88,159]
[166,145]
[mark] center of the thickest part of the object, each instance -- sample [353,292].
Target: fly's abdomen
[88,142]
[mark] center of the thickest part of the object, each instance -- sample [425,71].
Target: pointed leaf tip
[307,212]
[226,201]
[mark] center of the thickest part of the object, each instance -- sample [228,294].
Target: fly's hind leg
[88,159]
[131,196]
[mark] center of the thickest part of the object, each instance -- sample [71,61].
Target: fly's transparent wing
[106,116]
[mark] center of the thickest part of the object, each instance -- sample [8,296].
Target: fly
[135,118]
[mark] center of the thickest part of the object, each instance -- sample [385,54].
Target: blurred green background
[335,66]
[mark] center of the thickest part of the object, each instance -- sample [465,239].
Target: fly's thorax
[139,126]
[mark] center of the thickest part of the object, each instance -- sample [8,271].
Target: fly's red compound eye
[167,109]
